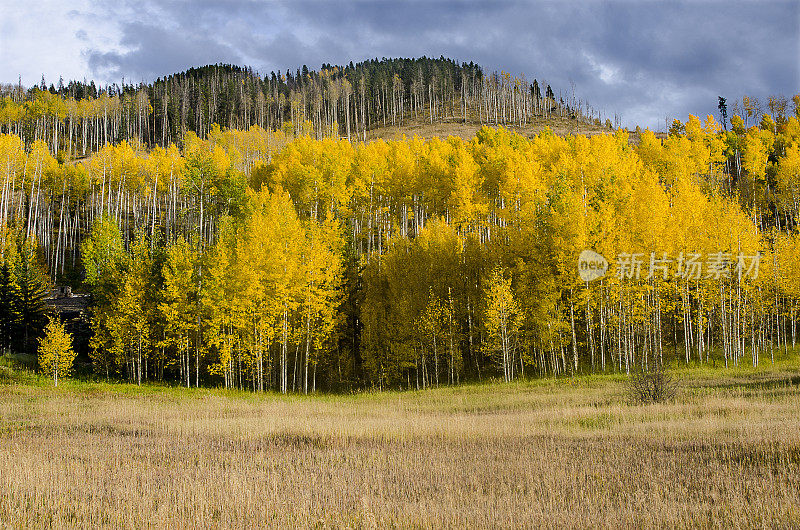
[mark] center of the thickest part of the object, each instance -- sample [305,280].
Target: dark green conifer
[9,306]
[32,286]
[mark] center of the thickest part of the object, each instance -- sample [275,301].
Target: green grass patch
[491,395]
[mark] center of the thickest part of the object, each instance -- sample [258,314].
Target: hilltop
[383,98]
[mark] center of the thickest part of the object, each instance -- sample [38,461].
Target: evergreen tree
[33,288]
[722,105]
[9,306]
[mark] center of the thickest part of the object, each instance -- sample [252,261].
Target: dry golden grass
[567,453]
[467,131]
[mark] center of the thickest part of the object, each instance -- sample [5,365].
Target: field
[566,453]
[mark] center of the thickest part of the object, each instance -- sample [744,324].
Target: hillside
[376,98]
[296,260]
[467,131]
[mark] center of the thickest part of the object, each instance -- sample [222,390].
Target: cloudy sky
[644,60]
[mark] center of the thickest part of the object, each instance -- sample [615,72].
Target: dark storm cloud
[155,51]
[643,60]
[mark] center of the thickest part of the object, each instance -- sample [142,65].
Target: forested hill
[286,259]
[350,101]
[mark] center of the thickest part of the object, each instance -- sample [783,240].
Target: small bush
[653,384]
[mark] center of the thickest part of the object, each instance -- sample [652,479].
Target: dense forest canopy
[283,258]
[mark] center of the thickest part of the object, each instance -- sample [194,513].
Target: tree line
[78,118]
[253,260]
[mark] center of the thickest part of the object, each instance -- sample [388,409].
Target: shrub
[653,384]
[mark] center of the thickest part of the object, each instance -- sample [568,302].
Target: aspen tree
[56,355]
[322,289]
[178,308]
[502,320]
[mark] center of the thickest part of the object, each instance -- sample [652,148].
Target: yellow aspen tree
[323,269]
[135,306]
[502,319]
[56,355]
[178,307]
[431,324]
[218,299]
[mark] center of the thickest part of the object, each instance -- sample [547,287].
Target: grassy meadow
[566,453]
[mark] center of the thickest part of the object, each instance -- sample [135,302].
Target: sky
[647,61]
